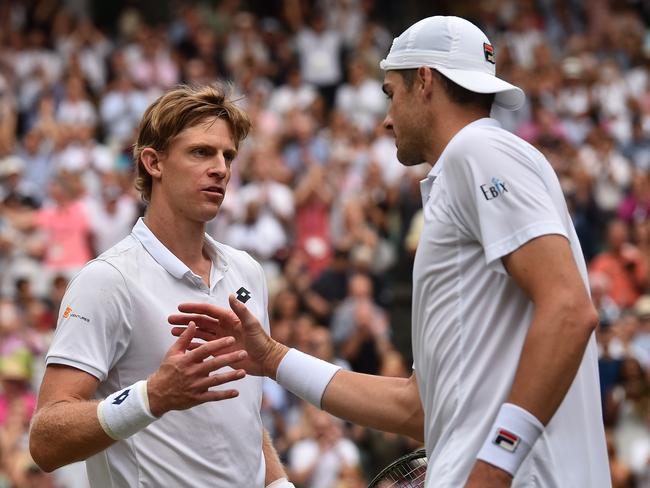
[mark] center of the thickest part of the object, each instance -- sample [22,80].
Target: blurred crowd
[317,195]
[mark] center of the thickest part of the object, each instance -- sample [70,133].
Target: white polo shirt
[489,193]
[113,325]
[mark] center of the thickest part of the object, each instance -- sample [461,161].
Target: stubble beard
[409,155]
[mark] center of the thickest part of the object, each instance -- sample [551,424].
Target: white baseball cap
[457,49]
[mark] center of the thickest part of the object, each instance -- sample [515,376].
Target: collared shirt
[113,325]
[488,194]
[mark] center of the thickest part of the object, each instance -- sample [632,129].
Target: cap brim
[507,95]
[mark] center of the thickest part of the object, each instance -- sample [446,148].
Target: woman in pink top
[66,228]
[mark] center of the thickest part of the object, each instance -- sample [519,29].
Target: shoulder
[111,265]
[127,250]
[98,275]
[476,149]
[483,141]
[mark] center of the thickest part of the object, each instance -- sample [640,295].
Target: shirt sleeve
[94,323]
[499,197]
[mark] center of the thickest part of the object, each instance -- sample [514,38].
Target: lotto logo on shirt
[494,189]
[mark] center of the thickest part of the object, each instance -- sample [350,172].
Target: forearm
[550,359]
[274,468]
[379,402]
[66,432]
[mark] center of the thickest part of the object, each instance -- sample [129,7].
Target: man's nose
[388,123]
[219,168]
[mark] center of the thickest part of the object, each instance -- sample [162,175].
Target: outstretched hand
[185,378]
[213,323]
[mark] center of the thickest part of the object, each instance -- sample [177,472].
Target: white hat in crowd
[11,165]
[457,49]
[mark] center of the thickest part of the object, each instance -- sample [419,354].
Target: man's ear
[151,162]
[424,81]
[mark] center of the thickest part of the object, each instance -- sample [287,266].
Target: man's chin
[409,159]
[207,213]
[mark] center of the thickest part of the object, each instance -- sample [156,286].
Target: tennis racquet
[409,471]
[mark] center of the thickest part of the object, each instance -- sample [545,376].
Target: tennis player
[505,389]
[169,416]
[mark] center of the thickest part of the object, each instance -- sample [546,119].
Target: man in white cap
[505,389]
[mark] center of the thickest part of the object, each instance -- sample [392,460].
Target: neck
[181,236]
[443,129]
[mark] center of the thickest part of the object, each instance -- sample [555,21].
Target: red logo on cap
[488,50]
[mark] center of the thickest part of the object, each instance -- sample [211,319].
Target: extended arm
[379,402]
[389,404]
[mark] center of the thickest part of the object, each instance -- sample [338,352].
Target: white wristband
[281,483]
[305,375]
[511,438]
[126,411]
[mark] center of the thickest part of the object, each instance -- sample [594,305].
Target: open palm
[216,322]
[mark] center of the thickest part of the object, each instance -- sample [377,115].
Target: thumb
[184,340]
[241,310]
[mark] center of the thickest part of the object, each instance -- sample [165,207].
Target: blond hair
[178,109]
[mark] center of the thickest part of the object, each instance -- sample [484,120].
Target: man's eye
[199,152]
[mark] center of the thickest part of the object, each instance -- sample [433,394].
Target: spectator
[319,51]
[635,207]
[121,108]
[317,460]
[361,98]
[294,95]
[623,264]
[110,217]
[607,166]
[76,111]
[36,152]
[360,328]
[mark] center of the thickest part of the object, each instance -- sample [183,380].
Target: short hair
[454,91]
[180,108]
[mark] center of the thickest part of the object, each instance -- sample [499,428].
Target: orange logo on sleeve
[68,313]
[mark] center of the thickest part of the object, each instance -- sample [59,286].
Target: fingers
[220,379]
[198,334]
[220,361]
[209,349]
[202,321]
[184,340]
[208,309]
[215,396]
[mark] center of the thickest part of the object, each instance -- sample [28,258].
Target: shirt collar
[427,183]
[168,260]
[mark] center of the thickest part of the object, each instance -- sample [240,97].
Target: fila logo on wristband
[506,440]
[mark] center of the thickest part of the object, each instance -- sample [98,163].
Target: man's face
[402,119]
[195,170]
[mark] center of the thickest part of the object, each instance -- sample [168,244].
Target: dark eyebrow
[200,145]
